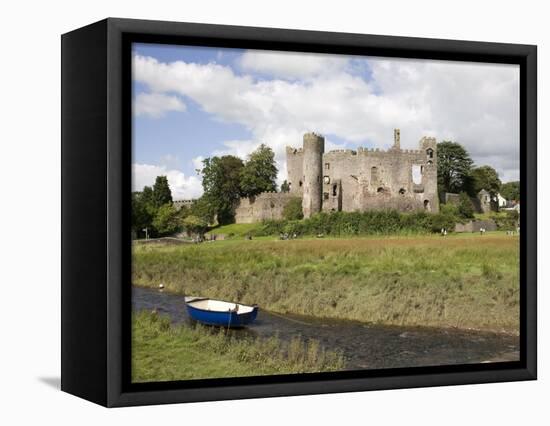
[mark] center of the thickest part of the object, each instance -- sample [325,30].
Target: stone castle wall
[265,206]
[355,180]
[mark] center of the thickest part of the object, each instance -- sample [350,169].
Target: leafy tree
[453,167]
[259,173]
[147,196]
[161,192]
[465,206]
[510,190]
[166,221]
[195,225]
[222,185]
[141,213]
[484,177]
[285,186]
[293,210]
[203,209]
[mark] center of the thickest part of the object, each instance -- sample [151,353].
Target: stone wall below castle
[265,206]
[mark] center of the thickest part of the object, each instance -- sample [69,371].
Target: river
[364,346]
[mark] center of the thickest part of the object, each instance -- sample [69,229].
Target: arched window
[380,190]
[402,191]
[334,190]
[427,206]
[430,153]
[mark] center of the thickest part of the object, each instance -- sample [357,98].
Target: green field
[161,351]
[464,281]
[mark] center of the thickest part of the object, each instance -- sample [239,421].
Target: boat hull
[222,319]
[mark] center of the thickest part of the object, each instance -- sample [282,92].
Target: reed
[464,281]
[162,351]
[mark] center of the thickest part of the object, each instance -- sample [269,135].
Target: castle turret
[314,147]
[396,139]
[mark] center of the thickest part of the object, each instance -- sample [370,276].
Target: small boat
[219,313]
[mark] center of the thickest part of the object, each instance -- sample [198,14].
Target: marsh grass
[460,281]
[162,351]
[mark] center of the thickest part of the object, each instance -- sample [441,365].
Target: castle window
[402,191]
[427,206]
[374,174]
[326,179]
[380,190]
[300,183]
[430,153]
[327,166]
[325,195]
[334,190]
[416,174]
[430,162]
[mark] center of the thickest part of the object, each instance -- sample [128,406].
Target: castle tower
[314,147]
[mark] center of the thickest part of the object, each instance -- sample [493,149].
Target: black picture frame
[96,188]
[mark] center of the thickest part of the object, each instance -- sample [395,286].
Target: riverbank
[469,282]
[162,351]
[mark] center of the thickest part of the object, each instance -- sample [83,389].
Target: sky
[190,103]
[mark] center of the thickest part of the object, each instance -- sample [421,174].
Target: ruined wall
[369,179]
[295,170]
[265,206]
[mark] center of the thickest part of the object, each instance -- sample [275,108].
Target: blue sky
[195,102]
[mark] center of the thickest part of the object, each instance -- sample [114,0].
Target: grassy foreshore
[464,281]
[162,351]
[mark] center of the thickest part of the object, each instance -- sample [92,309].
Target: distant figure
[444,232]
[481,231]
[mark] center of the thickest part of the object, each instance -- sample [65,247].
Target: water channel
[364,346]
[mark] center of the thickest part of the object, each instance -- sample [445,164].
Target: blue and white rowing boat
[219,313]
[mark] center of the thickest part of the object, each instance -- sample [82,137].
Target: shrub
[465,206]
[293,210]
[364,223]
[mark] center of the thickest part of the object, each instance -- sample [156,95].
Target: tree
[161,192]
[510,190]
[293,209]
[259,173]
[453,167]
[285,186]
[202,209]
[195,225]
[147,196]
[221,181]
[166,220]
[465,206]
[484,177]
[141,213]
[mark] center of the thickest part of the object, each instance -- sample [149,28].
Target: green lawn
[465,280]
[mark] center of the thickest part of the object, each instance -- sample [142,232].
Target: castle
[351,180]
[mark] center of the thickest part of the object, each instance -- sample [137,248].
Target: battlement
[293,151]
[178,204]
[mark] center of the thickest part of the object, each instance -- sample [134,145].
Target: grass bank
[162,351]
[464,281]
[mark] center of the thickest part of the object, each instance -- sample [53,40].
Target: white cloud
[156,105]
[197,162]
[182,187]
[474,104]
[291,64]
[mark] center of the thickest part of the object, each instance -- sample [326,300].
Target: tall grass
[462,281]
[161,351]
